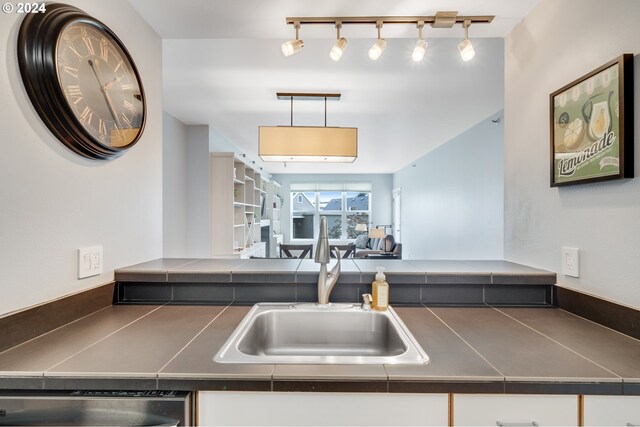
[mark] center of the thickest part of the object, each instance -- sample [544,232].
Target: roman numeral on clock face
[86,115]
[104,50]
[102,128]
[125,120]
[71,71]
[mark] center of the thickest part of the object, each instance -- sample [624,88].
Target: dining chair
[346,251]
[304,250]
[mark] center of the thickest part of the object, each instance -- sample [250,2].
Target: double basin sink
[274,333]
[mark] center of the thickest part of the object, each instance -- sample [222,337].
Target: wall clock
[82,81]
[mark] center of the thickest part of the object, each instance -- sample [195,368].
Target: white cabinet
[611,410]
[488,410]
[326,409]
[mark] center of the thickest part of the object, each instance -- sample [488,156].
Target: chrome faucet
[326,281]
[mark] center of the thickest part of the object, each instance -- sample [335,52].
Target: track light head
[419,50]
[421,45]
[338,49]
[378,47]
[376,50]
[467,52]
[293,46]
[341,44]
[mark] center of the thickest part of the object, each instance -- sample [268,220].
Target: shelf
[238,225]
[261,190]
[249,178]
[237,181]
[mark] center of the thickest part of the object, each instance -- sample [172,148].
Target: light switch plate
[89,261]
[571,262]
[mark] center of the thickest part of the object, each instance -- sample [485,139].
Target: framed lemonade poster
[591,139]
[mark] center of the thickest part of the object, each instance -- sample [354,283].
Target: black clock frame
[37,41]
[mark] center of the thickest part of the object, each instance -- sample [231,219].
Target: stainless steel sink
[321,334]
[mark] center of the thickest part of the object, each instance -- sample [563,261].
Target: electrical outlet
[89,261]
[570,262]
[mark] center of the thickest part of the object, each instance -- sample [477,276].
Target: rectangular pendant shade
[307,144]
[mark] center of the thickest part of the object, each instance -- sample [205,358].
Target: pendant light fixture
[320,144]
[421,45]
[341,44]
[378,47]
[293,46]
[467,52]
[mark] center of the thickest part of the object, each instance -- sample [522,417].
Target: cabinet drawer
[611,410]
[487,410]
[324,409]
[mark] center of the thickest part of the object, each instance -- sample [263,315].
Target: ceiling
[222,66]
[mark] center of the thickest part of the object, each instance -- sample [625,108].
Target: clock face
[81,81]
[99,84]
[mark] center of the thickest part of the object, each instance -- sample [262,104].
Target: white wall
[174,187]
[52,201]
[381,194]
[558,42]
[452,199]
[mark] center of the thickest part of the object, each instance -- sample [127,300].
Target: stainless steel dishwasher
[93,408]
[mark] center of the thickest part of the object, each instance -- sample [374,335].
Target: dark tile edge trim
[615,316]
[604,388]
[24,325]
[329,386]
[402,386]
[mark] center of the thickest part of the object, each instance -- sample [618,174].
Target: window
[303,213]
[343,209]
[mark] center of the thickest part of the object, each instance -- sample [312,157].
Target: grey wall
[381,193]
[198,192]
[174,187]
[452,199]
[542,54]
[52,201]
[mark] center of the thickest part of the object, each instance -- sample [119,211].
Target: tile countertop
[283,270]
[471,349]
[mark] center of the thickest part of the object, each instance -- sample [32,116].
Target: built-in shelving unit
[273,212]
[235,207]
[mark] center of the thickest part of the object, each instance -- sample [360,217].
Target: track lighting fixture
[378,47]
[421,45]
[467,52]
[442,19]
[293,46]
[341,44]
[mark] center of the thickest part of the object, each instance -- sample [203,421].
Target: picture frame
[591,124]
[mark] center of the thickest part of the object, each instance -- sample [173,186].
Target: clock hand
[109,84]
[104,93]
[107,98]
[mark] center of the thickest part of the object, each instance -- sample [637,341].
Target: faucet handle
[366,301]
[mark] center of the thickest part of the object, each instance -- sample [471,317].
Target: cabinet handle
[509,424]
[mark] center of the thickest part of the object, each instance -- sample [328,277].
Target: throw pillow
[361,241]
[389,243]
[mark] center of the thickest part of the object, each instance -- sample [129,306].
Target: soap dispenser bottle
[380,291]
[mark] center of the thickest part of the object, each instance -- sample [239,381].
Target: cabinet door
[611,410]
[321,409]
[510,410]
